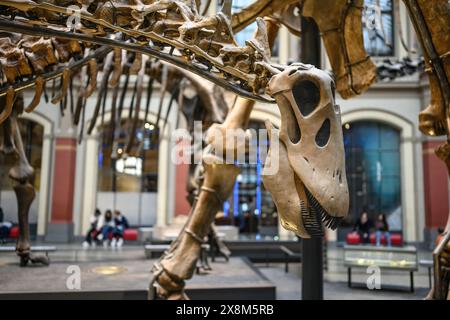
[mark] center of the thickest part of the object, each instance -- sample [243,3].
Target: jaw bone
[311,152]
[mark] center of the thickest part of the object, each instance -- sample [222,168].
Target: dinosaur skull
[310,186]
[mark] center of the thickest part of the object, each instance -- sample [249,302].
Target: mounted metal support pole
[312,249]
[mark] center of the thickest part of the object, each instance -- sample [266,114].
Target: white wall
[138,208]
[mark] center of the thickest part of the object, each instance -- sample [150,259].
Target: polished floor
[288,285]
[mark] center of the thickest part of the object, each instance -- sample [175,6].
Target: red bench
[14,232]
[396,239]
[130,235]
[353,238]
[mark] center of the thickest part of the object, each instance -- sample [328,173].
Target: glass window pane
[389,138]
[373,169]
[378,30]
[390,161]
[365,136]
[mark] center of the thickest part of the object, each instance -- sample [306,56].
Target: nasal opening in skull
[307,96]
[323,135]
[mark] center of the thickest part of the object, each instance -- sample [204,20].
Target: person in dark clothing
[107,227]
[5,227]
[382,227]
[363,226]
[121,223]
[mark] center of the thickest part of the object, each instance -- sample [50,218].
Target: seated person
[5,228]
[94,230]
[121,223]
[363,226]
[382,227]
[107,227]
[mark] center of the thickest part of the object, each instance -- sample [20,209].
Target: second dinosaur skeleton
[431,20]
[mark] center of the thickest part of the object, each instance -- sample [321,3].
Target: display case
[404,258]
[393,258]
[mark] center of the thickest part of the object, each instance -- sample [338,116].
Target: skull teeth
[311,221]
[316,217]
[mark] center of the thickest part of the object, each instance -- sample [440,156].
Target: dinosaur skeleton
[173,31]
[222,44]
[431,20]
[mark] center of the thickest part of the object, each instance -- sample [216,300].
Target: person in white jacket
[94,231]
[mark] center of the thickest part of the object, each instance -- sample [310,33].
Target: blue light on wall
[236,199]
[226,208]
[258,184]
[100,159]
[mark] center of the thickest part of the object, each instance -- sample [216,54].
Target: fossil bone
[311,139]
[431,19]
[341,28]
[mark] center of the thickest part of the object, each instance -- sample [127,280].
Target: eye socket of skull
[307,96]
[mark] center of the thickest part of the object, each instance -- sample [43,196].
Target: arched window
[372,151]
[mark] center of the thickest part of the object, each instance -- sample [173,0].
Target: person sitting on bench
[5,227]
[382,227]
[94,230]
[121,223]
[107,227]
[363,226]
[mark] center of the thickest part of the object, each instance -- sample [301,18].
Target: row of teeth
[313,217]
[311,221]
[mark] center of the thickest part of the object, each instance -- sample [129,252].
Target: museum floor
[288,285]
